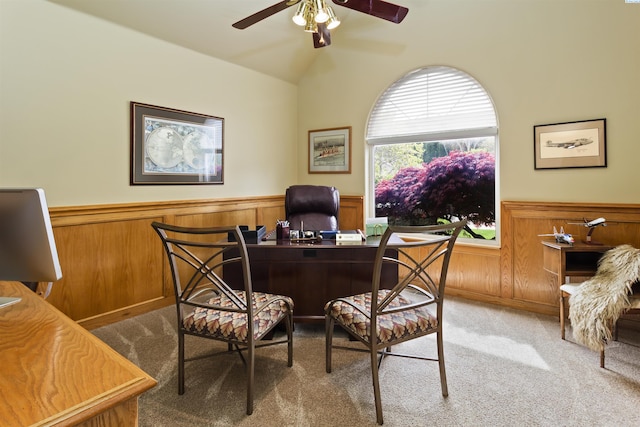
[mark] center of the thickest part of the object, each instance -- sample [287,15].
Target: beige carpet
[504,368]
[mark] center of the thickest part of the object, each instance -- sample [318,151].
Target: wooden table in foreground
[54,372]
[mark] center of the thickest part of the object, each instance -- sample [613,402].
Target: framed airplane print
[580,144]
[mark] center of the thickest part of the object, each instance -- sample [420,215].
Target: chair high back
[196,256]
[209,307]
[409,309]
[314,207]
[423,255]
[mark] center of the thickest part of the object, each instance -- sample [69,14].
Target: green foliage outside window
[423,183]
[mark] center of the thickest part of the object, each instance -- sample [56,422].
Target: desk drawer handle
[309,253]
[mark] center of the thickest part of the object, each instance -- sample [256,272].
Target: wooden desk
[54,372]
[312,273]
[564,261]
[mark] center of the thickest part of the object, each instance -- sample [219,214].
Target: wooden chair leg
[602,358]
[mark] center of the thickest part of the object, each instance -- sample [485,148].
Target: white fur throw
[598,303]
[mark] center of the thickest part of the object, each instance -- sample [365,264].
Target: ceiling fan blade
[264,13]
[378,8]
[321,38]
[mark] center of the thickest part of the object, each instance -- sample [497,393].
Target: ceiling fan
[318,18]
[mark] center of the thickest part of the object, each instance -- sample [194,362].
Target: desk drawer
[312,253]
[311,274]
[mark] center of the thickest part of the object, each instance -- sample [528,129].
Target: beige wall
[66,80]
[542,61]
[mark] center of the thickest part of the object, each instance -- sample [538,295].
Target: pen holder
[282,232]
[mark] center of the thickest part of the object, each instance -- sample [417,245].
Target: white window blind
[429,104]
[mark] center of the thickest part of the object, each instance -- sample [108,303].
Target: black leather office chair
[312,207]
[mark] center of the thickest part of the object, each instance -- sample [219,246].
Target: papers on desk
[349,236]
[348,242]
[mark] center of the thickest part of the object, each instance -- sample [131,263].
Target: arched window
[432,140]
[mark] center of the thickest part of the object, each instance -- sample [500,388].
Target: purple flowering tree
[459,185]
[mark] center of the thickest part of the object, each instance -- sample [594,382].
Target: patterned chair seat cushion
[229,325]
[391,327]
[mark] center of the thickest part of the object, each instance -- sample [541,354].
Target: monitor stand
[31,285]
[34,287]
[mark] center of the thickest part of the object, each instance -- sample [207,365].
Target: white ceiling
[274,46]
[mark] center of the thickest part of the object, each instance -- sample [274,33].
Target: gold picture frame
[330,150]
[580,144]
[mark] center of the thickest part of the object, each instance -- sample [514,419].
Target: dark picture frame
[170,146]
[579,144]
[330,150]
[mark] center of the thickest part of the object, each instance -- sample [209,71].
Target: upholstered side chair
[208,307]
[410,309]
[312,207]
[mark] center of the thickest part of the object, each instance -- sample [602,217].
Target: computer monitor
[27,247]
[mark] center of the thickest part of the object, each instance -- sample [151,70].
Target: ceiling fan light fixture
[300,17]
[311,26]
[333,20]
[321,11]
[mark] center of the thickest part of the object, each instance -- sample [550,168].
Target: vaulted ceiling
[274,46]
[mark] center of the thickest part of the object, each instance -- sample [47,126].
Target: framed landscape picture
[330,150]
[171,146]
[579,144]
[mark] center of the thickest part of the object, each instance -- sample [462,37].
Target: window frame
[478,132]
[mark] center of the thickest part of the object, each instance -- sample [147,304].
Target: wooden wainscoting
[524,284]
[474,273]
[512,275]
[113,264]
